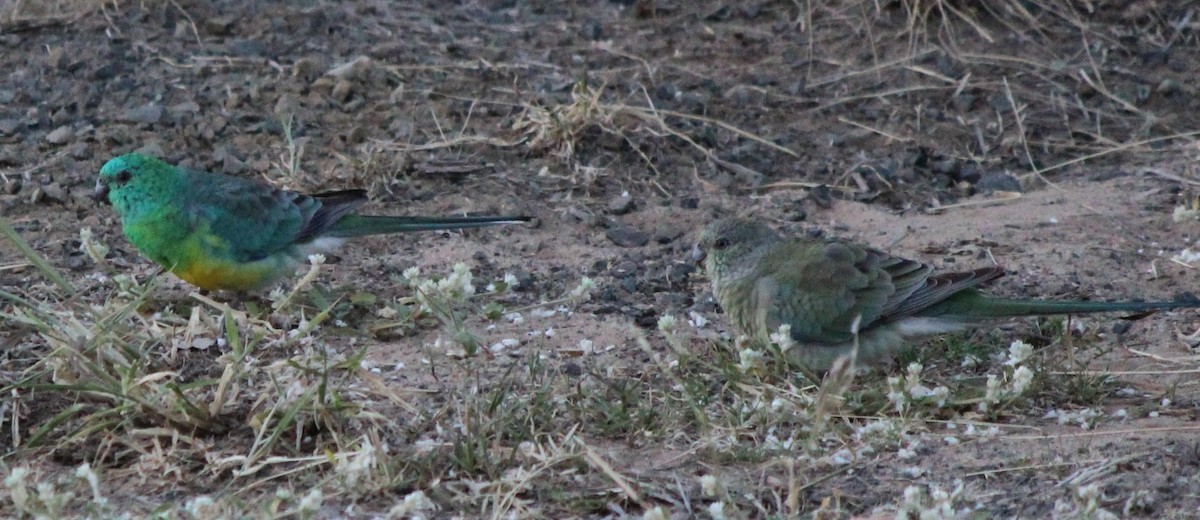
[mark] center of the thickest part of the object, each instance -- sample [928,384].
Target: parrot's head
[132,181]
[730,247]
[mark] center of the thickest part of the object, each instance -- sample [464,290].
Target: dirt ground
[1055,138]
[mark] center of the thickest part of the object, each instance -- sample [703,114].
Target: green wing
[820,287]
[255,220]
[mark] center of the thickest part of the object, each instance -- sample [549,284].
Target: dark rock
[525,279]
[970,173]
[996,180]
[592,30]
[721,13]
[219,25]
[77,262]
[599,266]
[629,283]
[627,236]
[646,317]
[679,271]
[104,72]
[667,92]
[822,196]
[572,369]
[945,166]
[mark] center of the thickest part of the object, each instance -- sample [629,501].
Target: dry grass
[949,87]
[287,418]
[1049,107]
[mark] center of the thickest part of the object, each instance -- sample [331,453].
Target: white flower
[1182,213]
[202,506]
[666,323]
[1187,256]
[709,486]
[458,285]
[412,505]
[749,359]
[1021,379]
[783,338]
[583,291]
[1018,351]
[717,510]
[15,482]
[312,501]
[655,514]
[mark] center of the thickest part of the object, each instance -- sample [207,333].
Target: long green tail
[363,225]
[972,304]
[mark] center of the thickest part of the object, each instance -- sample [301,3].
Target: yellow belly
[213,275]
[203,266]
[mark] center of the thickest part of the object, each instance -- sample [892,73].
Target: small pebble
[149,113]
[54,191]
[307,69]
[9,126]
[60,135]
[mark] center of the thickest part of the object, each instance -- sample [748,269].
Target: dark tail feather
[363,225]
[972,304]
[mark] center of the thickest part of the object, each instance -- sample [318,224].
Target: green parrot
[822,287]
[220,232]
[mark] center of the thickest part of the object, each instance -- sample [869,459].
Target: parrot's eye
[123,176]
[721,243]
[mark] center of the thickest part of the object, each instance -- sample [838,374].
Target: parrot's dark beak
[698,254]
[100,194]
